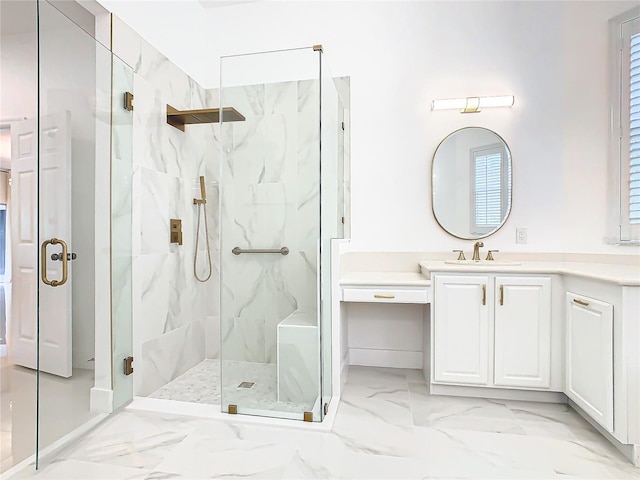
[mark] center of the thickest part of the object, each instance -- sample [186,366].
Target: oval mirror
[471,183]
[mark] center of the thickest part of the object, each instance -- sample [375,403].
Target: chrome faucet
[476,250]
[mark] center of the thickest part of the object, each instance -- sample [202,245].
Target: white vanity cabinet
[589,351]
[461,329]
[522,324]
[492,331]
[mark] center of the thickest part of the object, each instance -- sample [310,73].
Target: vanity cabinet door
[461,330]
[522,351]
[589,381]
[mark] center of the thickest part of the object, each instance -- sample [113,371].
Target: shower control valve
[176,231]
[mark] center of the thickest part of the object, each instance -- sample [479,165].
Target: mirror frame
[508,212]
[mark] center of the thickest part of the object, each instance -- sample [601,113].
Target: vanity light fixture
[472,104]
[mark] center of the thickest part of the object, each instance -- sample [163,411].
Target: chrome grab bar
[281,251]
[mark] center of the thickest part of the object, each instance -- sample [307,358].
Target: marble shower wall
[174,316]
[270,176]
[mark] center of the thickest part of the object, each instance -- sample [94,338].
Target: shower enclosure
[280,205]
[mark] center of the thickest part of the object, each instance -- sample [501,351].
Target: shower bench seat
[297,351]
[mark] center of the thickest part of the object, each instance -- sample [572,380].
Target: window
[490,167]
[625,132]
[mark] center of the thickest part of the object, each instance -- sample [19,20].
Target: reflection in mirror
[471,183]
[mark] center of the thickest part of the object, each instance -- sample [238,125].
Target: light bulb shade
[472,104]
[500,101]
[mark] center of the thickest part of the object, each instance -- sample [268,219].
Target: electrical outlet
[521,235]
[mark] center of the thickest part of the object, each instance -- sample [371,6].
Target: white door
[589,380]
[54,212]
[522,332]
[461,330]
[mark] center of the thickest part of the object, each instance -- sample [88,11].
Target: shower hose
[206,234]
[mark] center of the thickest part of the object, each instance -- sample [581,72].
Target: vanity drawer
[386,295]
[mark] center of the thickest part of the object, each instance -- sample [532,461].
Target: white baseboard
[101,400]
[385,358]
[498,393]
[631,452]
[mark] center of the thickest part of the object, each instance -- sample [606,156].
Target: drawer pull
[380,295]
[581,302]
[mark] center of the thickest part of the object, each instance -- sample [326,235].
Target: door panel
[590,357]
[24,214]
[461,330]
[523,332]
[55,204]
[55,222]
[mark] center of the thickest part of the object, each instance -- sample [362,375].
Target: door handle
[43,262]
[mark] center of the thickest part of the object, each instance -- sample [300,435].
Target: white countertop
[620,274]
[399,279]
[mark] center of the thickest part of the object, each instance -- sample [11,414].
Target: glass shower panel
[121,230]
[18,288]
[74,217]
[332,206]
[270,233]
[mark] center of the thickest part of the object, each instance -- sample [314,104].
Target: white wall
[400,55]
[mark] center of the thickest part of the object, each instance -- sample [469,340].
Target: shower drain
[246,385]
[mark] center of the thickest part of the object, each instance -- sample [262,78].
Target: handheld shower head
[203,193]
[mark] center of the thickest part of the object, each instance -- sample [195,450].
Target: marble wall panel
[170,355]
[174,314]
[270,195]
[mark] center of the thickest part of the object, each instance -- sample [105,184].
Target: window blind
[488,187]
[634,131]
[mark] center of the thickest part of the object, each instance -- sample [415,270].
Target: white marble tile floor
[387,427]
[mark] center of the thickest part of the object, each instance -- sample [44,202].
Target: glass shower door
[270,235]
[73,211]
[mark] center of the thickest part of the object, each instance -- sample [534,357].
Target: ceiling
[225,3]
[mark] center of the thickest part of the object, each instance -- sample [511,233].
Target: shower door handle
[43,262]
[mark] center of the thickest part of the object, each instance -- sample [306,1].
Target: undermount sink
[482,263]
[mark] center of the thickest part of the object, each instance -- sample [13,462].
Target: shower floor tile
[201,384]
